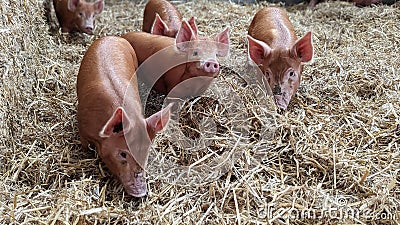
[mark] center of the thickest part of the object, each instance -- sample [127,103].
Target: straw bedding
[334,154]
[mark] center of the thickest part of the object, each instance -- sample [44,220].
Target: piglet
[275,49]
[189,55]
[77,15]
[110,113]
[162,18]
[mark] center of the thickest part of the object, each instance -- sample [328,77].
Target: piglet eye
[266,73]
[123,155]
[292,74]
[80,14]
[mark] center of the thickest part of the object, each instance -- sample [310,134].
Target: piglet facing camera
[274,47]
[77,15]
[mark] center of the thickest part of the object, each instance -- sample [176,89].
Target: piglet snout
[88,30]
[211,66]
[137,186]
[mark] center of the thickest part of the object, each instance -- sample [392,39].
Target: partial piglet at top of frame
[273,46]
[194,56]
[110,112]
[77,15]
[162,18]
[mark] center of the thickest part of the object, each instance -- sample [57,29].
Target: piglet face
[115,150]
[284,79]
[281,67]
[84,13]
[125,146]
[202,53]
[123,165]
[202,57]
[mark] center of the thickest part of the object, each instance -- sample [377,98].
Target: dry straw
[333,155]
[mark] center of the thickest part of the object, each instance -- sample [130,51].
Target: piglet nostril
[277,90]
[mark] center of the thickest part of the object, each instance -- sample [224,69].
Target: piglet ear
[185,34]
[304,48]
[98,6]
[193,25]
[223,38]
[158,121]
[257,50]
[159,26]
[72,5]
[117,125]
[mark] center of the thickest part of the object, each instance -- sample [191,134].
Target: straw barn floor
[331,158]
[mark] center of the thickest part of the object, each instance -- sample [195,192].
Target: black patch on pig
[117,128]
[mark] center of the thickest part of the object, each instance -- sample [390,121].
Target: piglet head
[84,12]
[125,147]
[202,52]
[281,67]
